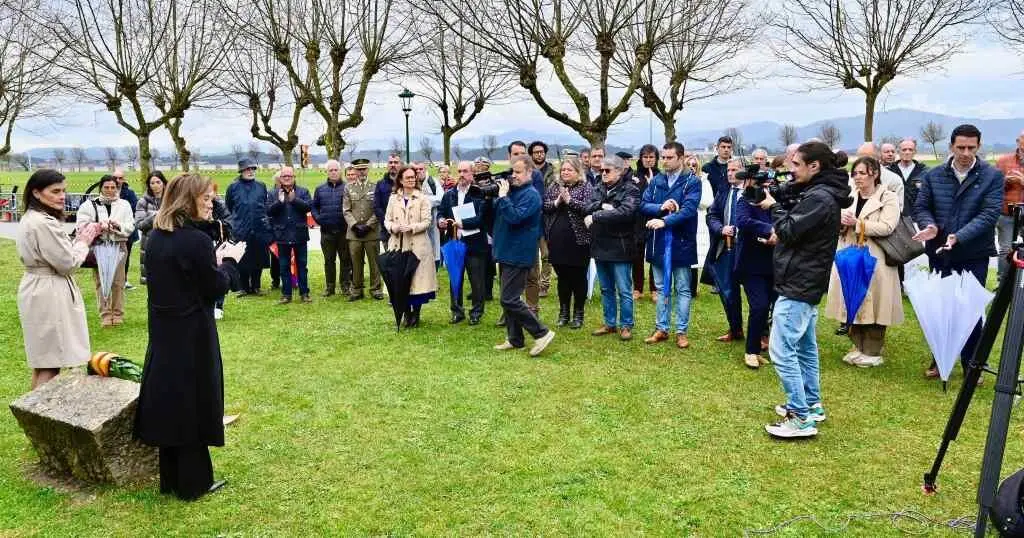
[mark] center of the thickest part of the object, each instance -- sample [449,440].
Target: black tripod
[1009,299]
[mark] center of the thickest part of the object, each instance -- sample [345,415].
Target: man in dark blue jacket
[957,210]
[382,193]
[517,216]
[246,199]
[287,211]
[517,149]
[717,168]
[327,211]
[671,201]
[468,230]
[724,234]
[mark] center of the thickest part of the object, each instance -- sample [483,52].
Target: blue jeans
[616,282]
[680,288]
[284,255]
[793,347]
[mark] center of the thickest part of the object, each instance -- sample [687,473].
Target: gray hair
[736,160]
[910,139]
[761,151]
[613,161]
[332,161]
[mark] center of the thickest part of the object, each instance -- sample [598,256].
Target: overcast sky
[972,84]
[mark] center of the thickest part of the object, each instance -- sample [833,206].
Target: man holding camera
[807,228]
[326,209]
[288,223]
[359,208]
[957,210]
[454,205]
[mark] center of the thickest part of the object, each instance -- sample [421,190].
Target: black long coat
[181,402]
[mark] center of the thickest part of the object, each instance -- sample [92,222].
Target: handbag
[90,258]
[899,246]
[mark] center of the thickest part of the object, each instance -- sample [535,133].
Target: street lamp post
[406,97]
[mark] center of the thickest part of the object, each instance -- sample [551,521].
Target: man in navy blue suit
[470,231]
[724,233]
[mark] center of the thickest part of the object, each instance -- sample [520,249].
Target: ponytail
[820,152]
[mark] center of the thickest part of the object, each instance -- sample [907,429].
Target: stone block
[81,426]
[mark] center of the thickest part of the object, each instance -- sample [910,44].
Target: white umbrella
[947,309]
[108,258]
[591,277]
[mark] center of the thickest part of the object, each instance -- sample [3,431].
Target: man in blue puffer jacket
[246,199]
[517,229]
[957,208]
[327,212]
[671,201]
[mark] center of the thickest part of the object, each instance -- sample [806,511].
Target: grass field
[348,428]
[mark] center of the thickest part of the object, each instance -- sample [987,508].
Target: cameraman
[808,232]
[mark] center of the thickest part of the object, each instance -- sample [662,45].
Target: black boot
[415,317]
[563,315]
[577,318]
[408,318]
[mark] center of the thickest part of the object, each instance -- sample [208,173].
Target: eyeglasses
[607,170]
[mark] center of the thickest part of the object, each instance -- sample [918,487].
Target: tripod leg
[1002,403]
[989,333]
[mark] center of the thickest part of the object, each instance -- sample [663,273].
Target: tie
[730,209]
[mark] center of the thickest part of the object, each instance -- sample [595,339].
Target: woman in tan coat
[118,222]
[876,212]
[407,220]
[50,304]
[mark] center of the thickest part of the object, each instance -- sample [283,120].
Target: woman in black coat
[181,402]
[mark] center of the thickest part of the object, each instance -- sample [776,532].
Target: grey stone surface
[82,426]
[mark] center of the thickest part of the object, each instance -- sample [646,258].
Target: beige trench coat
[50,304]
[884,302]
[417,215]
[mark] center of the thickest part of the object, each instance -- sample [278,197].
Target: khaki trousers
[358,250]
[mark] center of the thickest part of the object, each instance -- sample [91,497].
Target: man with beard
[382,193]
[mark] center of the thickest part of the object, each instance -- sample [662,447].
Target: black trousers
[572,285]
[760,297]
[275,270]
[476,271]
[517,316]
[734,308]
[128,260]
[250,267]
[492,274]
[185,471]
[335,248]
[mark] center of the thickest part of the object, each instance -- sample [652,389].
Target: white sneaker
[504,346]
[541,343]
[128,285]
[218,313]
[867,361]
[851,357]
[792,426]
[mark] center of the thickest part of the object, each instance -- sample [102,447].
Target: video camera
[487,183]
[769,181]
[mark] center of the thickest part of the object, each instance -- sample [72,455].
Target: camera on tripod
[765,182]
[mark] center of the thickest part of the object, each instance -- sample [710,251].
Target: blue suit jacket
[683,223]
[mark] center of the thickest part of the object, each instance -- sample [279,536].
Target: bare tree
[26,69]
[490,145]
[131,154]
[79,156]
[587,49]
[237,151]
[352,145]
[737,140]
[697,62]
[255,82]
[112,53]
[329,51]
[829,134]
[154,157]
[21,160]
[60,157]
[932,133]
[865,44]
[457,77]
[427,148]
[111,154]
[380,155]
[254,151]
[196,158]
[173,157]
[275,155]
[1007,18]
[457,151]
[787,135]
[396,147]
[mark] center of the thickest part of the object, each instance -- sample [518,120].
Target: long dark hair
[820,152]
[155,174]
[641,170]
[41,180]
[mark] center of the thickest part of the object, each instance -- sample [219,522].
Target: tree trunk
[869,115]
[446,143]
[145,156]
[596,140]
[670,129]
[333,142]
[286,154]
[174,127]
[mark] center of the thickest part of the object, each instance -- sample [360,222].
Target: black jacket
[612,232]
[911,185]
[808,235]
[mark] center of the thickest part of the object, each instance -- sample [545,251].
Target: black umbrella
[397,268]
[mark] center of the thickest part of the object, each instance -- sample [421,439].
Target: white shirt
[962,176]
[907,170]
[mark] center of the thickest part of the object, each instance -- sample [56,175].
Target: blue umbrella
[454,253]
[666,265]
[721,270]
[855,265]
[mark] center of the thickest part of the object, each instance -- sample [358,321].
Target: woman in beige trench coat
[407,220]
[876,211]
[50,304]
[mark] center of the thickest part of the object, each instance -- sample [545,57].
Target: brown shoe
[681,341]
[625,333]
[658,336]
[932,372]
[729,337]
[636,294]
[603,330]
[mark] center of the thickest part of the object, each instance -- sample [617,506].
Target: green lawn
[348,428]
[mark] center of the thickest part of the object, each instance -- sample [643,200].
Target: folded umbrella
[397,268]
[108,259]
[721,269]
[591,278]
[666,264]
[855,266]
[454,254]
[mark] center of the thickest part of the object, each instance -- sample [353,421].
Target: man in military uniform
[363,230]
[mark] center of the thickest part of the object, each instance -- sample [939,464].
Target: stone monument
[81,425]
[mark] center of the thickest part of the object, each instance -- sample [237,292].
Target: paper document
[464,211]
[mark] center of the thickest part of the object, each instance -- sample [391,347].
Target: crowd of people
[768,230]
